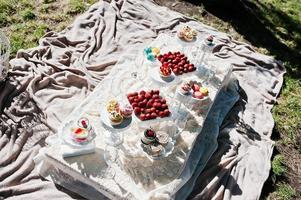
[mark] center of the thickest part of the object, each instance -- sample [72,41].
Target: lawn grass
[273,27]
[19,18]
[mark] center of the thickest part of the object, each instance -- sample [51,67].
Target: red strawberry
[154,115]
[140,98]
[156,92]
[164,106]
[190,69]
[166,112]
[195,87]
[140,104]
[137,111]
[148,95]
[131,99]
[142,117]
[161,114]
[155,96]
[134,104]
[149,104]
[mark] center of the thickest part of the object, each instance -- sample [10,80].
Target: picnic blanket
[47,82]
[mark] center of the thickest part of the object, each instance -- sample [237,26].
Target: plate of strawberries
[176,63]
[149,105]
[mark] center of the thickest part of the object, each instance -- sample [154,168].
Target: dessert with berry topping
[185,88]
[149,137]
[165,71]
[79,134]
[177,62]
[148,105]
[187,33]
[83,132]
[126,110]
[115,118]
[199,91]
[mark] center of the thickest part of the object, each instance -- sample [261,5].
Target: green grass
[283,192]
[278,165]
[19,18]
[288,113]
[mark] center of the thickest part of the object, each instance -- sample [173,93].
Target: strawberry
[148,95]
[137,111]
[195,87]
[166,112]
[142,117]
[153,115]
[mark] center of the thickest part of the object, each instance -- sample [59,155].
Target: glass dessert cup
[69,133]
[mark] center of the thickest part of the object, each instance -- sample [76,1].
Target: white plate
[155,75]
[104,116]
[186,43]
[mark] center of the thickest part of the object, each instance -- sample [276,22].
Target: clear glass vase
[4,55]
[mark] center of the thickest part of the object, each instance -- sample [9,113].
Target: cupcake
[112,105]
[126,110]
[162,138]
[149,137]
[115,118]
[198,95]
[156,150]
[187,33]
[185,88]
[204,91]
[151,53]
[209,40]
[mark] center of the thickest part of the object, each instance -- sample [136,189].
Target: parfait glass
[4,56]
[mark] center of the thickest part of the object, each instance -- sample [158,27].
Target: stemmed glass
[110,157]
[139,62]
[4,55]
[180,120]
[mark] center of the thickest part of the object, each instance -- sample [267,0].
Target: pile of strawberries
[148,105]
[177,62]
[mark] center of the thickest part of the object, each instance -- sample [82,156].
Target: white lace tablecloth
[138,176]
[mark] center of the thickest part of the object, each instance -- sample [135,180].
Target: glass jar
[4,55]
